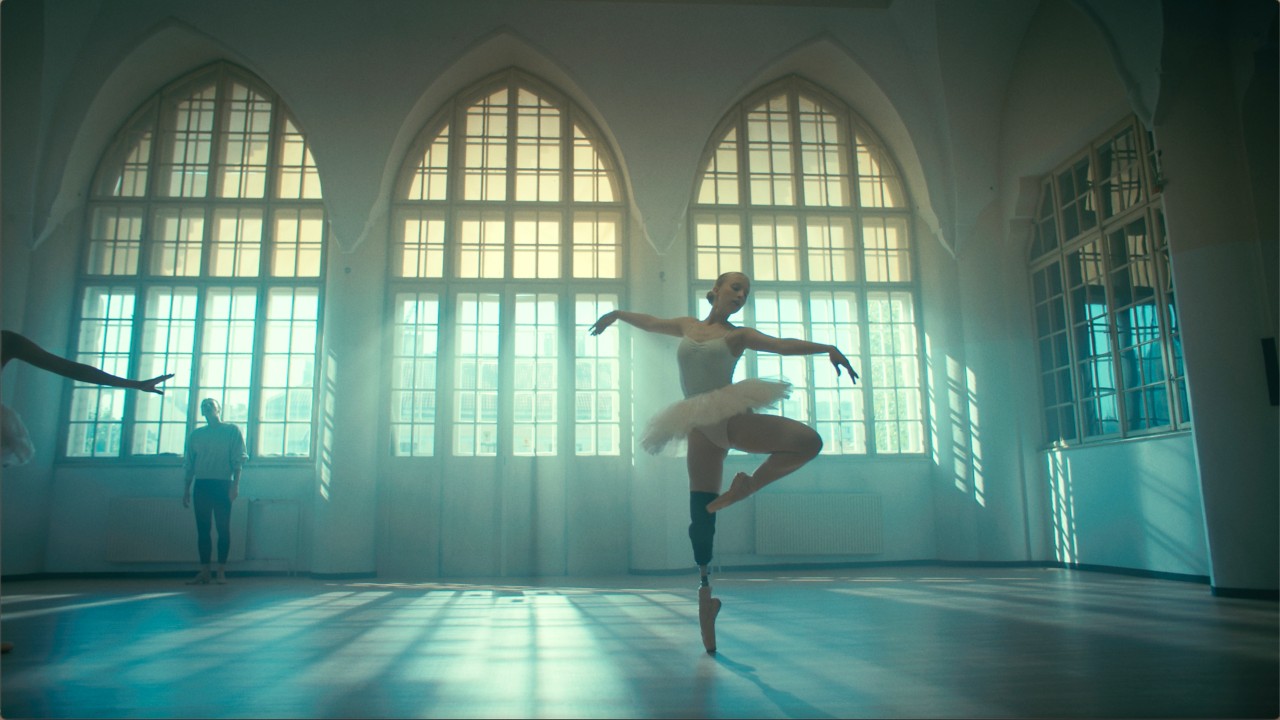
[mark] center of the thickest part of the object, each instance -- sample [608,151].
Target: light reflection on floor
[893,642]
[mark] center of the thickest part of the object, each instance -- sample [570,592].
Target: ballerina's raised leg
[790,444]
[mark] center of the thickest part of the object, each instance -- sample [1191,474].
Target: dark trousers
[212,500]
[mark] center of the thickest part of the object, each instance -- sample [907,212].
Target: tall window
[507,234]
[796,192]
[1106,323]
[203,258]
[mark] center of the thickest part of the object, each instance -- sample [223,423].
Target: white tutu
[709,408]
[15,444]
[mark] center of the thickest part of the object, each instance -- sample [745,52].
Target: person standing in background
[215,455]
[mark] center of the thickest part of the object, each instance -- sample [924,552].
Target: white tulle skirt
[15,444]
[710,409]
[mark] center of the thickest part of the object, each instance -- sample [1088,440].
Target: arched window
[796,192]
[508,243]
[1106,323]
[203,257]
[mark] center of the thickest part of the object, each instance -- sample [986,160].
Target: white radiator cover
[159,529]
[819,524]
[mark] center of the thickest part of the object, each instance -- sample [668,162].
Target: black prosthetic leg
[702,533]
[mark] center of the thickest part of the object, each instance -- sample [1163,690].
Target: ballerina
[718,415]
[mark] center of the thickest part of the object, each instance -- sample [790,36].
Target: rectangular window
[720,182]
[431,178]
[106,336]
[592,181]
[482,244]
[775,247]
[537,150]
[297,242]
[769,170]
[115,240]
[236,242]
[1057,386]
[536,375]
[535,245]
[829,247]
[838,412]
[878,185]
[177,239]
[288,372]
[597,374]
[484,149]
[246,140]
[1120,172]
[717,244]
[414,355]
[226,350]
[187,146]
[298,177]
[824,166]
[421,246]
[475,398]
[886,251]
[168,344]
[895,372]
[1091,335]
[1075,195]
[597,244]
[1173,333]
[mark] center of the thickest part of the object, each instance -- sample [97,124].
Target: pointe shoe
[739,489]
[201,578]
[708,609]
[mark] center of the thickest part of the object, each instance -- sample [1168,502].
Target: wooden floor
[880,642]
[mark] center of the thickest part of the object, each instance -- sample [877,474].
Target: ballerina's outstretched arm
[648,323]
[15,346]
[756,340]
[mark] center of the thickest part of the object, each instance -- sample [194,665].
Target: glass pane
[829,247]
[246,141]
[719,182]
[476,374]
[717,245]
[298,177]
[177,240]
[414,352]
[105,341]
[769,170]
[115,239]
[421,243]
[597,246]
[430,180]
[824,157]
[537,148]
[597,374]
[187,145]
[484,149]
[592,181]
[886,249]
[482,244]
[168,345]
[236,242]
[535,245]
[298,236]
[775,248]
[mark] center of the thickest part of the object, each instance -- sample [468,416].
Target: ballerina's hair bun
[711,296]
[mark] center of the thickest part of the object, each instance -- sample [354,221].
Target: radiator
[159,529]
[819,524]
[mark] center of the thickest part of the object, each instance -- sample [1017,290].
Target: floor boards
[882,642]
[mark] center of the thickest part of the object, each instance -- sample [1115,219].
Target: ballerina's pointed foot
[741,487]
[708,609]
